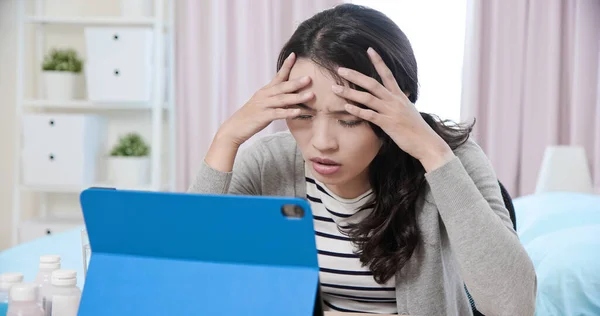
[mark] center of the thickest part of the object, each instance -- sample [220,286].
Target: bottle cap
[64,277]
[50,262]
[24,292]
[7,280]
[50,259]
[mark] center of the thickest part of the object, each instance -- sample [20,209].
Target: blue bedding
[561,234]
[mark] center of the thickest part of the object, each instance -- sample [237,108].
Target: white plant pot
[136,8]
[60,85]
[129,171]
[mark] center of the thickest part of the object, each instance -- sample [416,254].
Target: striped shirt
[346,285]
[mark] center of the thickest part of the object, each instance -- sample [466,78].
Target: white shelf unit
[104,21]
[73,105]
[77,189]
[160,107]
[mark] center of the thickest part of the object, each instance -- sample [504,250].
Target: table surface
[25,258]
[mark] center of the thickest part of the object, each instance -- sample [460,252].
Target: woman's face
[337,146]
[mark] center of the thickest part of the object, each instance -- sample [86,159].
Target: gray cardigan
[467,235]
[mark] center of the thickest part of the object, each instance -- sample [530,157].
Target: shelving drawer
[109,81]
[61,149]
[119,64]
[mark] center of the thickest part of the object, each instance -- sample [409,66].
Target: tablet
[158,253]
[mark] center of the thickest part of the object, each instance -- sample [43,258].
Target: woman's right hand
[266,105]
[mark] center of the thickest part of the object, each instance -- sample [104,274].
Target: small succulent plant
[131,145]
[62,60]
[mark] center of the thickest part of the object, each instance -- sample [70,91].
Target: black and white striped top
[345,284]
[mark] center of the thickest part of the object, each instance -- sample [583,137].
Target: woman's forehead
[321,82]
[306,67]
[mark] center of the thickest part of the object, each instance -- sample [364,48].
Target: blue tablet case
[189,254]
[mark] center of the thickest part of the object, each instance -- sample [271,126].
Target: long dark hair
[340,36]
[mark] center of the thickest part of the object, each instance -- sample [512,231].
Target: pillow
[545,213]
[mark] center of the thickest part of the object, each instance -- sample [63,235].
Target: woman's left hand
[390,109]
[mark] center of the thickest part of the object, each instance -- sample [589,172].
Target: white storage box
[61,149]
[40,227]
[118,82]
[118,64]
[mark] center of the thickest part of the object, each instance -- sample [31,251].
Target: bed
[561,233]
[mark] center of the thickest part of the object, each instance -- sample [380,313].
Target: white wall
[7,101]
[56,36]
[438,50]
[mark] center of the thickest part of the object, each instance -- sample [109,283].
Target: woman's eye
[303,117]
[351,123]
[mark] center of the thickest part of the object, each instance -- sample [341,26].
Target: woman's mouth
[325,166]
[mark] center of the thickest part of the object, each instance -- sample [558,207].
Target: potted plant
[129,161]
[61,72]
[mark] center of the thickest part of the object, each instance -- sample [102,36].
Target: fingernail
[304,79]
[343,71]
[370,51]
[290,55]
[306,94]
[348,107]
[336,88]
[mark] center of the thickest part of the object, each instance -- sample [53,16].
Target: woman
[407,210]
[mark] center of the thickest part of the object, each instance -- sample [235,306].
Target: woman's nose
[323,137]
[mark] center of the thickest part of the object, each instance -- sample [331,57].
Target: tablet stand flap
[186,254]
[127,285]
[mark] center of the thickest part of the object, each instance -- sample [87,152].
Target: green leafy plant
[131,145]
[62,60]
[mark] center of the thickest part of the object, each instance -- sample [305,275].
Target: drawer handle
[51,122]
[116,72]
[116,37]
[51,156]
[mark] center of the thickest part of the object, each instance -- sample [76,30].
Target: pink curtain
[532,79]
[225,51]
